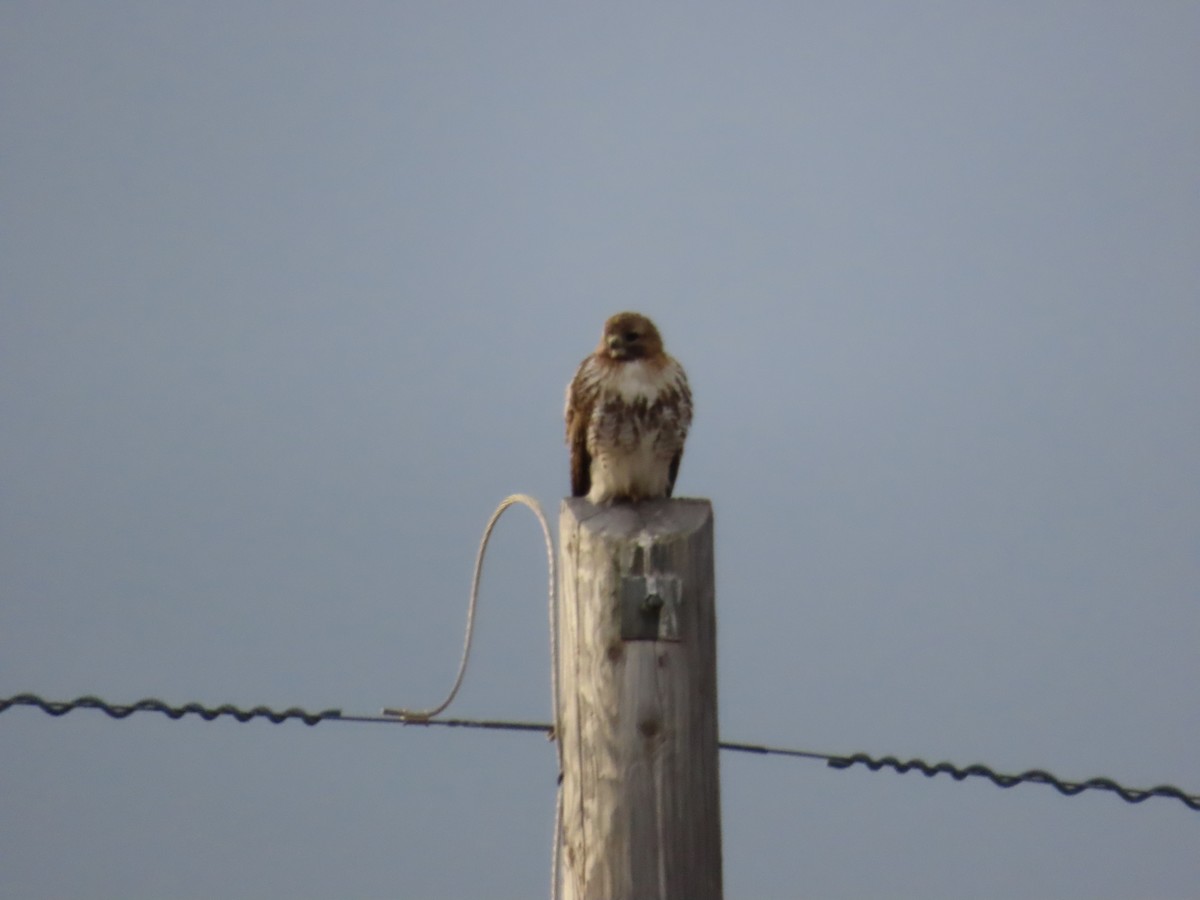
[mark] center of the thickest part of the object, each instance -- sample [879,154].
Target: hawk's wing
[673,472]
[581,401]
[682,399]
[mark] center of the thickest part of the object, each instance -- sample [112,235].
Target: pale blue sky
[291,292]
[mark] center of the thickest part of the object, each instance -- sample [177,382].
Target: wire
[117,711]
[1032,776]
[417,717]
[834,761]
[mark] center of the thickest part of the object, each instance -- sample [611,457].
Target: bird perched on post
[628,412]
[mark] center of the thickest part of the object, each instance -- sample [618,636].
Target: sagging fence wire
[834,761]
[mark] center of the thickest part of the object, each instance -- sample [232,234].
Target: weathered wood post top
[638,696]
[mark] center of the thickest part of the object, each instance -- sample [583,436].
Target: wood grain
[641,799]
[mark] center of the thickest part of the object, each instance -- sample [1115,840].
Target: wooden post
[638,690]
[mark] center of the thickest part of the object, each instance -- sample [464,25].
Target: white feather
[640,473]
[636,379]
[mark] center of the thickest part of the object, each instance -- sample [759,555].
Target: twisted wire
[833,760]
[122,711]
[1032,776]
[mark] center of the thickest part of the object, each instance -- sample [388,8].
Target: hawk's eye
[631,336]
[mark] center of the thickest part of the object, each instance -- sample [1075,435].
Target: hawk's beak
[616,345]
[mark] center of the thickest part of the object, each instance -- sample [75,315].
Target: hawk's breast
[638,425]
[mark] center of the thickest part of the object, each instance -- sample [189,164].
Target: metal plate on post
[650,607]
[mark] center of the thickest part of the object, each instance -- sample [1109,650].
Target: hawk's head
[629,336]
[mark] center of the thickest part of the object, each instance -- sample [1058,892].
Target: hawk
[628,412]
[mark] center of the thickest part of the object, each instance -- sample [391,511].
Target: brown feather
[581,398]
[581,460]
[673,472]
